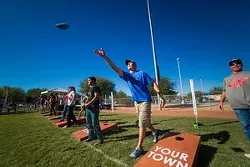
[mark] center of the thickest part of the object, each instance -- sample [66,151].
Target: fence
[171,101]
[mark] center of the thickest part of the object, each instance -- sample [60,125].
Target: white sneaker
[247,155]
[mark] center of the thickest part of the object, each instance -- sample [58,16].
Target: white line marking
[106,156]
[117,161]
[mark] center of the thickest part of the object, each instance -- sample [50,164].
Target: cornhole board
[175,150]
[105,127]
[63,123]
[55,117]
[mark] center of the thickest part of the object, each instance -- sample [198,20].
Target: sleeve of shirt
[148,79]
[125,76]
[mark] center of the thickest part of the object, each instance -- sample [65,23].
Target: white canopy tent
[55,90]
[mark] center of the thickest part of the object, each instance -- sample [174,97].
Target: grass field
[30,139]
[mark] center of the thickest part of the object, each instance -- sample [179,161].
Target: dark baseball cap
[235,61]
[127,61]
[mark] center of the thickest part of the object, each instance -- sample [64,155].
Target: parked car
[105,106]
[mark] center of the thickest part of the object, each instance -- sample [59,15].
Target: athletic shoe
[136,153]
[247,155]
[66,126]
[99,142]
[155,135]
[88,139]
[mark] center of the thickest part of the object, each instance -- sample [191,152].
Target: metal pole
[112,101]
[153,49]
[178,65]
[202,89]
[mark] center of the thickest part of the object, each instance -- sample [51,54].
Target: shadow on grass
[117,131]
[120,123]
[205,155]
[223,123]
[222,136]
[127,137]
[167,133]
[109,120]
[237,149]
[107,115]
[129,126]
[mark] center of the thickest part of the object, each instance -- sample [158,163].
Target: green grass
[30,139]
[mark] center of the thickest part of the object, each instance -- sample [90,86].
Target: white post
[194,100]
[179,71]
[154,52]
[112,101]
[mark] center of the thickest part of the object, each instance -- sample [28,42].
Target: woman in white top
[71,104]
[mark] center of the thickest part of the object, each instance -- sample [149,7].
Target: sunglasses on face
[235,64]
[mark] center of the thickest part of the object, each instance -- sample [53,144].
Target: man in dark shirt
[92,111]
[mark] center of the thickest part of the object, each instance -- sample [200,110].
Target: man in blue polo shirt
[138,82]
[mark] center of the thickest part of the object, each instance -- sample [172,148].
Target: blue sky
[205,35]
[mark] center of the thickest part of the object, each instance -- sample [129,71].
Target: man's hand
[220,105]
[101,52]
[162,102]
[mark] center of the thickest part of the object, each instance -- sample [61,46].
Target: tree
[120,94]
[198,95]
[14,94]
[33,94]
[216,91]
[105,85]
[166,86]
[2,92]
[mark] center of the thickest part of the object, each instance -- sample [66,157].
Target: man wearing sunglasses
[236,89]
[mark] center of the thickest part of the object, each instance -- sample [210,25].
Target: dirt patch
[203,111]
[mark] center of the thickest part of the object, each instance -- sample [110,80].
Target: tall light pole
[153,48]
[178,65]
[201,87]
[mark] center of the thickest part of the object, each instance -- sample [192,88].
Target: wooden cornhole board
[172,152]
[105,127]
[63,123]
[55,117]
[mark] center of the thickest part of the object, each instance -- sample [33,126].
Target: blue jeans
[92,122]
[244,117]
[65,109]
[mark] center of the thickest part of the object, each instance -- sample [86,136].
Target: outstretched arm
[110,63]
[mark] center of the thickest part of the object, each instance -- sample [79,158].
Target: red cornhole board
[55,117]
[172,152]
[105,127]
[63,123]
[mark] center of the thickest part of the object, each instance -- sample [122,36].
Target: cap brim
[127,61]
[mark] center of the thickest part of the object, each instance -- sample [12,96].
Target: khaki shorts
[143,110]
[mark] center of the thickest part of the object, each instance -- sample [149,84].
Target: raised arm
[110,63]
